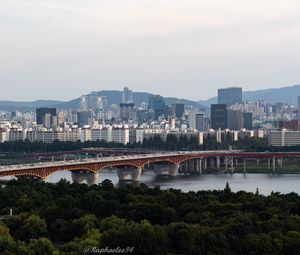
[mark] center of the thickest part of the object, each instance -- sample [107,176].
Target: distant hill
[28,106]
[113,97]
[285,94]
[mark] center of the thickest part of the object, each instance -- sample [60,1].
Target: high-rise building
[178,110]
[234,120]
[127,111]
[230,96]
[248,120]
[157,104]
[127,96]
[298,113]
[196,121]
[218,116]
[46,117]
[84,118]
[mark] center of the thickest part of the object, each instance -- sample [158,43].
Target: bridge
[169,163]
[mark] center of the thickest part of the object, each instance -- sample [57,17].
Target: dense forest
[66,218]
[172,143]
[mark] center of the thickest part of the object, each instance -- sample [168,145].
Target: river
[266,183]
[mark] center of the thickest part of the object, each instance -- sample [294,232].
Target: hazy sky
[61,49]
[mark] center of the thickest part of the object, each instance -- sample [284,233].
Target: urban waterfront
[266,183]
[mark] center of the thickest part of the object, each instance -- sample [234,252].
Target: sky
[61,49]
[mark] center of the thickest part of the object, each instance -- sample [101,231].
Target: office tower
[178,110]
[196,121]
[84,117]
[46,117]
[83,105]
[143,106]
[127,96]
[127,111]
[234,120]
[157,104]
[230,96]
[218,116]
[298,113]
[199,120]
[248,121]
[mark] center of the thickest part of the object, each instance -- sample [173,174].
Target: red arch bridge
[164,163]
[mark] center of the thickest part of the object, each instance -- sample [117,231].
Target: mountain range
[284,94]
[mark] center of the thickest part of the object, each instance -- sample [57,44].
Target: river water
[266,183]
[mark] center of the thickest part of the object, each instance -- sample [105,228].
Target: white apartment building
[120,135]
[284,138]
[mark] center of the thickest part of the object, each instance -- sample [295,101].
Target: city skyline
[63,49]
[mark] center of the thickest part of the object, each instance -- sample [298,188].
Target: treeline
[153,143]
[66,218]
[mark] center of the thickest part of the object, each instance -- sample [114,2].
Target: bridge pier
[199,166]
[269,164]
[279,162]
[169,169]
[226,164]
[212,163]
[134,172]
[231,167]
[91,178]
[218,162]
[245,170]
[274,164]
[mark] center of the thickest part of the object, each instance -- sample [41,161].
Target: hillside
[113,97]
[285,94]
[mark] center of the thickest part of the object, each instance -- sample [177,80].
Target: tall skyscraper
[46,117]
[84,117]
[230,96]
[218,116]
[248,121]
[235,120]
[157,104]
[127,111]
[127,96]
[178,110]
[196,121]
[298,113]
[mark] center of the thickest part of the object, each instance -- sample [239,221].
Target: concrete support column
[236,163]
[274,164]
[279,162]
[257,162]
[168,169]
[173,170]
[231,168]
[205,163]
[245,170]
[133,172]
[52,158]
[269,164]
[136,174]
[218,162]
[90,177]
[212,163]
[200,166]
[226,164]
